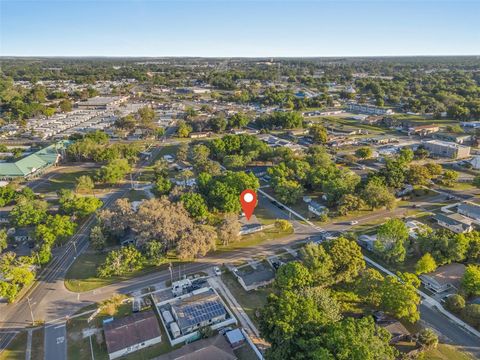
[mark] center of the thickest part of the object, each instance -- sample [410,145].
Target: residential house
[407,189]
[423,130]
[367,241]
[414,226]
[215,347]
[129,334]
[316,208]
[445,278]
[393,326]
[250,228]
[235,338]
[457,223]
[197,311]
[470,210]
[253,278]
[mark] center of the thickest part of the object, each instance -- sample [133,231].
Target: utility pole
[31,311]
[171,273]
[75,247]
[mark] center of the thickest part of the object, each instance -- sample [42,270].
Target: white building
[129,334]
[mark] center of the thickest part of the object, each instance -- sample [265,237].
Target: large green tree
[347,259]
[293,276]
[391,238]
[471,280]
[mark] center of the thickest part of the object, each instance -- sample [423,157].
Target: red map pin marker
[248,199]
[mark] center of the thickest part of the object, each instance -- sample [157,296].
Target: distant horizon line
[235,57]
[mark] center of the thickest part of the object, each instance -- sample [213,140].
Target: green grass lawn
[249,301]
[446,352]
[460,186]
[65,178]
[82,275]
[255,239]
[16,349]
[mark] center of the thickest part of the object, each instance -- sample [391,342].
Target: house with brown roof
[446,277]
[423,130]
[129,334]
[211,348]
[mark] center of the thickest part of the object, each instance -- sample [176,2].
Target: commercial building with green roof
[34,164]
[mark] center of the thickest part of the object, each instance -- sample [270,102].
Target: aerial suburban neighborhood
[125,231]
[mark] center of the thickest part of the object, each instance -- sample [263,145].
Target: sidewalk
[245,321]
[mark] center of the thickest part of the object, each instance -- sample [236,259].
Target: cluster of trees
[159,226]
[20,104]
[120,262]
[114,171]
[445,246]
[316,171]
[188,223]
[217,123]
[303,317]
[95,147]
[51,230]
[143,120]
[436,247]
[77,206]
[280,120]
[17,272]
[455,93]
[28,211]
[235,151]
[221,192]
[470,287]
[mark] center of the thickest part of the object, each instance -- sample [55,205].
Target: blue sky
[238,28]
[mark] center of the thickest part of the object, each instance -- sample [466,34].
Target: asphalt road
[55,342]
[453,333]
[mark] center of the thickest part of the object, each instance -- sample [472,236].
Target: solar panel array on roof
[199,310]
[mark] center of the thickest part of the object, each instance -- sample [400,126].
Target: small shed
[235,338]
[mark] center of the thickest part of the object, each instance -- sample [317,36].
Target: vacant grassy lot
[64,178]
[82,275]
[446,352]
[255,239]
